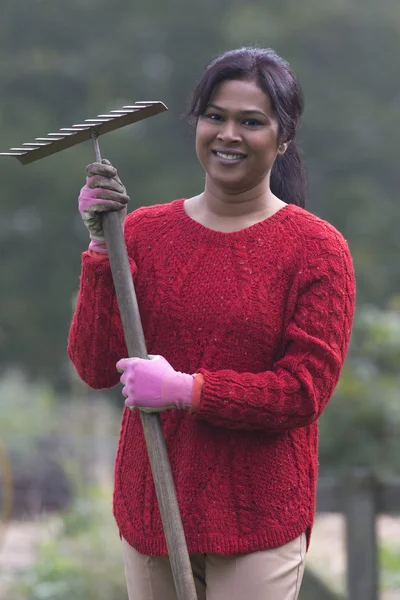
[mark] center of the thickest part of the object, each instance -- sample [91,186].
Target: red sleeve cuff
[97,255]
[196,393]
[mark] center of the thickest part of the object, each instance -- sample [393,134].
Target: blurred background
[64,62]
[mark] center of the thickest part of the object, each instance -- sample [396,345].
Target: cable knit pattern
[265,315]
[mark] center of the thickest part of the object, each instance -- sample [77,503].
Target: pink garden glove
[153,385]
[103,192]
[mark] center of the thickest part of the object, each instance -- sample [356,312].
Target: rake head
[89,129]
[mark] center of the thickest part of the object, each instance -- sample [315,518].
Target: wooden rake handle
[153,432]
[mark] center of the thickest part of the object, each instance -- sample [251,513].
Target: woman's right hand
[102,193]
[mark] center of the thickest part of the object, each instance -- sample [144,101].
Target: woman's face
[237,137]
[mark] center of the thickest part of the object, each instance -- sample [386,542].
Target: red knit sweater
[265,315]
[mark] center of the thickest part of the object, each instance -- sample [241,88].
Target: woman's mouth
[231,157]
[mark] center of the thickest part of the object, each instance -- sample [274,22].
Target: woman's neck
[224,211]
[254,202]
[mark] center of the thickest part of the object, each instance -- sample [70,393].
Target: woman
[247,303]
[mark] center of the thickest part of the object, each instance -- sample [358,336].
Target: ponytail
[288,177]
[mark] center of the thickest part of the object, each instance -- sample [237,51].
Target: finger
[89,193]
[117,179]
[102,170]
[116,176]
[103,194]
[106,206]
[105,182]
[123,363]
[129,403]
[96,167]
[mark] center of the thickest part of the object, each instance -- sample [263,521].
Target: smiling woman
[270,96]
[247,304]
[229,133]
[237,142]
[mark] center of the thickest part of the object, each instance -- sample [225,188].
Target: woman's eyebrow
[243,112]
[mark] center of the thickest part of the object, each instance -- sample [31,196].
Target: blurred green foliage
[59,66]
[27,410]
[81,557]
[389,558]
[32,433]
[360,427]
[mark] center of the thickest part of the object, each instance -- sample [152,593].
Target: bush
[30,434]
[82,560]
[360,426]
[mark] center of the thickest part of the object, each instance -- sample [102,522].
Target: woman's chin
[229,183]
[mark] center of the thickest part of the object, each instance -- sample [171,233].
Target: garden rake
[133,331]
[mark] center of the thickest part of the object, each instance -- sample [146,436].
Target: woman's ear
[283,146]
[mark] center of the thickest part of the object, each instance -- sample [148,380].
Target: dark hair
[274,76]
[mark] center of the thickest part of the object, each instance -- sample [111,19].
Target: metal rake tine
[36,144]
[118,113]
[109,117]
[13,153]
[59,134]
[114,114]
[96,121]
[81,132]
[50,139]
[74,129]
[136,107]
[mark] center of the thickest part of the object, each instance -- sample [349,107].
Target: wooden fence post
[313,588]
[360,504]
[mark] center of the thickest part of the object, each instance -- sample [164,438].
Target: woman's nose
[229,132]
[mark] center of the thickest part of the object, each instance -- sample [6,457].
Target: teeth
[229,156]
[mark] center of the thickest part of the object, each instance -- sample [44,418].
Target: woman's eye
[214,116]
[253,123]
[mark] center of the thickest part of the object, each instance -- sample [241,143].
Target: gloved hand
[103,192]
[153,385]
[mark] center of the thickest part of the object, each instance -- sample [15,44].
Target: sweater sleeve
[96,340]
[296,390]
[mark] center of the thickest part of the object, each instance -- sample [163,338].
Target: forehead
[237,95]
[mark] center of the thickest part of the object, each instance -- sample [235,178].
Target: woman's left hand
[153,385]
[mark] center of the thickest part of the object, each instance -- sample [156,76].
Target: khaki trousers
[274,574]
